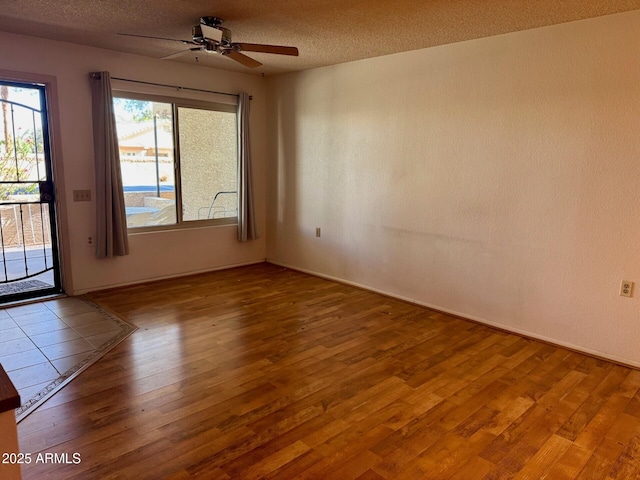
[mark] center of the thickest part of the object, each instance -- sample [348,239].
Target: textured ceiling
[326,32]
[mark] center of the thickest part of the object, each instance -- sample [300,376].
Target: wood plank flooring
[263,372]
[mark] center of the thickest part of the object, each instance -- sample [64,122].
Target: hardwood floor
[262,372]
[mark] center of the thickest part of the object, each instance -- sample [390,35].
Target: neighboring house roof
[140,134]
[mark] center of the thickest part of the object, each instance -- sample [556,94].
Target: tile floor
[41,341]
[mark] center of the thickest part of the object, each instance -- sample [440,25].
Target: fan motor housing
[199,36]
[211,21]
[196,34]
[226,36]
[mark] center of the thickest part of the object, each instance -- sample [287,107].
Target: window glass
[208,162]
[145,139]
[194,174]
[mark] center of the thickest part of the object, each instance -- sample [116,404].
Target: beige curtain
[111,219]
[247,229]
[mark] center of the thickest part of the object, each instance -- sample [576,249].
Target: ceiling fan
[211,37]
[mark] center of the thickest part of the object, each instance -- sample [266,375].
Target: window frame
[176,103]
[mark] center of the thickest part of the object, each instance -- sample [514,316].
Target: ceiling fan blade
[243,59]
[156,38]
[182,52]
[276,49]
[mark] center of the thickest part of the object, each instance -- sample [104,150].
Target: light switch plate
[82,195]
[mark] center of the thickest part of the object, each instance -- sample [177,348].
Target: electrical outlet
[89,241]
[626,288]
[317,231]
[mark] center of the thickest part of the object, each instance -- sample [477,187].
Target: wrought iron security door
[29,265]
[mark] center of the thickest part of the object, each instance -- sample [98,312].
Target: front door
[29,260]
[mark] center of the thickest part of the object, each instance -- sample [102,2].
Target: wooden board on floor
[264,372]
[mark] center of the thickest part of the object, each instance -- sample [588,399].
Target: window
[178,161]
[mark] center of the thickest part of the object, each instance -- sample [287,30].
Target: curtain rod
[175,86]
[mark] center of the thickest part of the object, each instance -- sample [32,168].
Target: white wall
[153,255]
[498,179]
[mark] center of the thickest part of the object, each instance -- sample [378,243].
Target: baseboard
[507,328]
[163,277]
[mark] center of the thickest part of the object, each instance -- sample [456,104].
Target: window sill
[196,224]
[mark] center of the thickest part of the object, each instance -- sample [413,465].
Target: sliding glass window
[178,160]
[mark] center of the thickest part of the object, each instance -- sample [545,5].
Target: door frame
[57,167]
